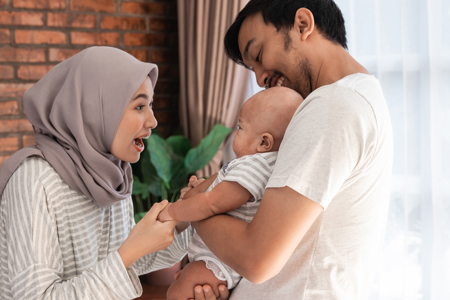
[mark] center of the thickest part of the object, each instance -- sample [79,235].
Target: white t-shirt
[337,151]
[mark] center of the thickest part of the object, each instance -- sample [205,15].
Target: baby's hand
[193,182]
[164,214]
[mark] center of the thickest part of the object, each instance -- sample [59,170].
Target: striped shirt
[58,244]
[252,172]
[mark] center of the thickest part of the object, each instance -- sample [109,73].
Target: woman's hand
[148,236]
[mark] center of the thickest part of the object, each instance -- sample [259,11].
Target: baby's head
[263,120]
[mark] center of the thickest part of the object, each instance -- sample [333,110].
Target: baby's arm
[224,197]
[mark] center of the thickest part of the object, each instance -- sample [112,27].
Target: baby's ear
[266,143]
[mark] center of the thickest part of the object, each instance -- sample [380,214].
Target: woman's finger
[157,208]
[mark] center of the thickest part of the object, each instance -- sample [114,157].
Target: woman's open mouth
[138,144]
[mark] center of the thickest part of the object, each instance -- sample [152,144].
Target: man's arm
[260,249]
[224,197]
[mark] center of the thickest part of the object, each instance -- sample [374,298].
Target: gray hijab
[75,111]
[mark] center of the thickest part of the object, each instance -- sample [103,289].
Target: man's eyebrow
[145,96]
[249,43]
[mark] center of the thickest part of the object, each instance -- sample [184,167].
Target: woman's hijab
[75,111]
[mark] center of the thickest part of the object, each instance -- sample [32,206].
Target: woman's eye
[239,127]
[151,104]
[140,107]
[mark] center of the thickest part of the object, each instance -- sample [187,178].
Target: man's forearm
[260,249]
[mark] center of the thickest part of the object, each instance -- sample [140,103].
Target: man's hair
[281,13]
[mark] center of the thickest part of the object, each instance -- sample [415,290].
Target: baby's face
[247,136]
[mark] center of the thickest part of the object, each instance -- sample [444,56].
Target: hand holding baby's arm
[164,215]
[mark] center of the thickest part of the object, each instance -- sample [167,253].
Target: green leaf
[201,155]
[161,156]
[180,144]
[149,174]
[139,188]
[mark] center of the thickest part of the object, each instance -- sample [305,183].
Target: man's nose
[261,76]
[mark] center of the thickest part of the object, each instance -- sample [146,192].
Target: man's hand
[205,292]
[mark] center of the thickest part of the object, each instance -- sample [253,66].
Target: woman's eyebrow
[145,96]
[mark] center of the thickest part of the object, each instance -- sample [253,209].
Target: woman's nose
[151,121]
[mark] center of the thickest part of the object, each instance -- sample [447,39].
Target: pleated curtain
[212,87]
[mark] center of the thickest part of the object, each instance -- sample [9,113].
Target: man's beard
[302,82]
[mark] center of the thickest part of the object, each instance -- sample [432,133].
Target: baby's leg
[195,273]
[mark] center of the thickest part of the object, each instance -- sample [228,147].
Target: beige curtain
[212,87]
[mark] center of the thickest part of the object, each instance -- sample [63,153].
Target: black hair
[281,13]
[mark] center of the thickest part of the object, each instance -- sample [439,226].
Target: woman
[66,217]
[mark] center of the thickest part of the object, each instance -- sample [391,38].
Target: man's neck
[333,64]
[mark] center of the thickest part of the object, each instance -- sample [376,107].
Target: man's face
[274,56]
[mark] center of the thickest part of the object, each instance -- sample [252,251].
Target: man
[319,229]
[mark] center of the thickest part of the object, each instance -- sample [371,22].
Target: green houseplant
[166,164]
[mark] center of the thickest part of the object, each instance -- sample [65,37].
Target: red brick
[5,36]
[165,117]
[13,89]
[144,39]
[40,37]
[164,56]
[10,54]
[124,23]
[33,72]
[142,55]
[6,72]
[9,144]
[71,20]
[164,71]
[94,38]
[3,3]
[58,55]
[163,24]
[3,158]
[162,102]
[19,125]
[91,5]
[9,108]
[143,8]
[21,18]
[40,4]
[167,87]
[28,140]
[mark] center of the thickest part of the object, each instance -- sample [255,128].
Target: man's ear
[266,143]
[304,22]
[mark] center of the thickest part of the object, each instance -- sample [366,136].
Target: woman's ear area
[304,22]
[266,143]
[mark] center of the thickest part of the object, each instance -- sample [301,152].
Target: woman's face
[136,124]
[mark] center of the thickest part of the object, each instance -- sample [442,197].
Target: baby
[238,188]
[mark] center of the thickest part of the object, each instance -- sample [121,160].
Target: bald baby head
[269,112]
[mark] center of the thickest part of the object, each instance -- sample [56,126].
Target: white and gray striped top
[58,244]
[252,172]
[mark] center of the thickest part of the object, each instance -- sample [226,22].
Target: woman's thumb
[157,208]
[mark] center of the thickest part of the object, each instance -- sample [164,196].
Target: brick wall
[37,34]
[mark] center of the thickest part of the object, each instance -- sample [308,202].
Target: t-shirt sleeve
[252,173]
[323,144]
